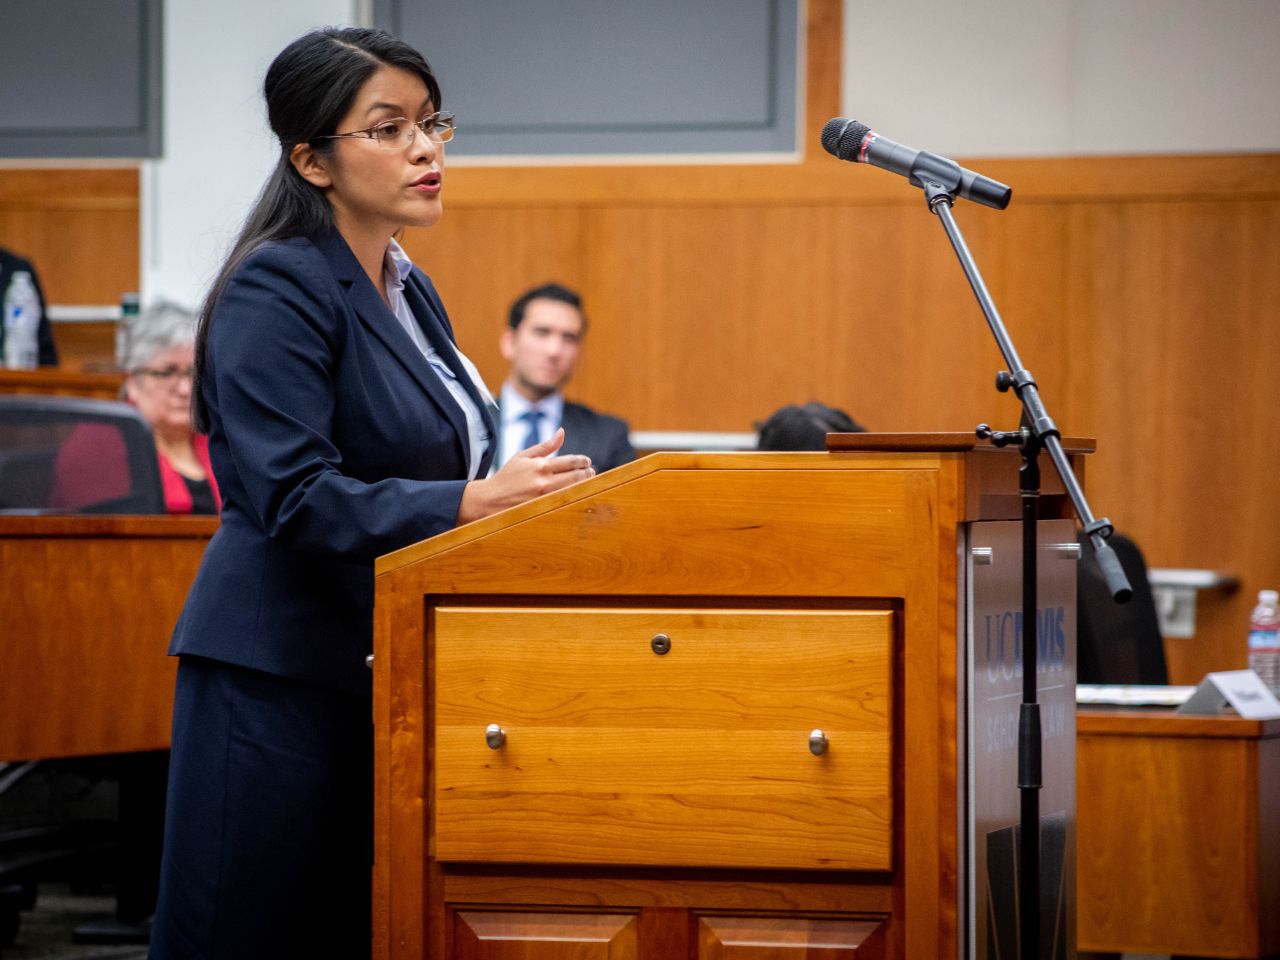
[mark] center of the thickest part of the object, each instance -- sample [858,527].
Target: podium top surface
[933,442]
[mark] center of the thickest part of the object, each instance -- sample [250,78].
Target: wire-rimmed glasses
[398,132]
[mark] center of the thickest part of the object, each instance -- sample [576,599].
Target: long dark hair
[309,88]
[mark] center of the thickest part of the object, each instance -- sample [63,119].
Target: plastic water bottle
[1264,639]
[21,322]
[129,309]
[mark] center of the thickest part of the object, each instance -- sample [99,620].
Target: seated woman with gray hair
[160,358]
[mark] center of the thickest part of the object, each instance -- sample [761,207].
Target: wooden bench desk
[1178,834]
[86,608]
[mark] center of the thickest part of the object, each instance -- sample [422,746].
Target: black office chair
[74,455]
[1117,643]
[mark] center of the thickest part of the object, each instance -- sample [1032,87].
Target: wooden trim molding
[822,179]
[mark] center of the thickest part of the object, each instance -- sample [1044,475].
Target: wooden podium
[704,705]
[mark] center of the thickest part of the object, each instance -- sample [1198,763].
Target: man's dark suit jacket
[605,439]
[333,442]
[601,437]
[10,264]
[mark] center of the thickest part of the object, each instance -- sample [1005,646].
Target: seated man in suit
[542,341]
[11,265]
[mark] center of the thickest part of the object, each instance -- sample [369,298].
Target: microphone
[851,140]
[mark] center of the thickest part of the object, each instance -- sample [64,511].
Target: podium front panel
[995,693]
[739,737]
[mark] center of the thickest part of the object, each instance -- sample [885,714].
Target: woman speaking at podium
[343,423]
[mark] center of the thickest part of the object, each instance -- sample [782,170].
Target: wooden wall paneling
[78,226]
[1179,316]
[482,259]
[824,42]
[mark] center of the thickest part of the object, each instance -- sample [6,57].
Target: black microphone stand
[1037,432]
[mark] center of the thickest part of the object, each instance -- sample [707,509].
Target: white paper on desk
[1242,689]
[1131,695]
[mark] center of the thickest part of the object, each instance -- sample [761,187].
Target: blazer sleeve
[274,348]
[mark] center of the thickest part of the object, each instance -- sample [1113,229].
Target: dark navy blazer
[333,442]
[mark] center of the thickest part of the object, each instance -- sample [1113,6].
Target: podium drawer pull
[817,743]
[494,736]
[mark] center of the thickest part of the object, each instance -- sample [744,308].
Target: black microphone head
[843,138]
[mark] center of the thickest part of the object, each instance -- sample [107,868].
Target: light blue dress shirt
[396,268]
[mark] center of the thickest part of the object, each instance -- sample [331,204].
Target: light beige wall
[1060,77]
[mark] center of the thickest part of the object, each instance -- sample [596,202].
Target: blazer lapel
[431,318]
[382,323]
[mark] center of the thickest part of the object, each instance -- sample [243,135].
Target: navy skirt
[269,819]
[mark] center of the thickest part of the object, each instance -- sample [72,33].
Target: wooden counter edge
[1169,723]
[103,525]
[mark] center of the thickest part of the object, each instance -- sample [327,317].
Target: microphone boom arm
[1035,417]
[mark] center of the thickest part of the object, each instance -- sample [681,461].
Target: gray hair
[159,327]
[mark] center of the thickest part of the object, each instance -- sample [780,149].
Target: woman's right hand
[530,473]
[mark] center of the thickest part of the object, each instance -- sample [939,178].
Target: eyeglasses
[399,131]
[168,375]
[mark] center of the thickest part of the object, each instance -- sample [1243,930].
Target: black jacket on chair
[1117,643]
[10,264]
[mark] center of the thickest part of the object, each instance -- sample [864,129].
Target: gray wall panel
[82,80]
[586,77]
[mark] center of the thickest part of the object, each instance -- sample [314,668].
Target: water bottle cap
[1268,598]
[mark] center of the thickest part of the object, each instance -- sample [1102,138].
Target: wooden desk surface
[1178,833]
[88,604]
[1169,723]
[62,381]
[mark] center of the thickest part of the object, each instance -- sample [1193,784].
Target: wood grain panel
[543,936]
[734,516]
[89,605]
[80,227]
[712,890]
[671,549]
[1186,361]
[1176,834]
[698,757]
[784,938]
